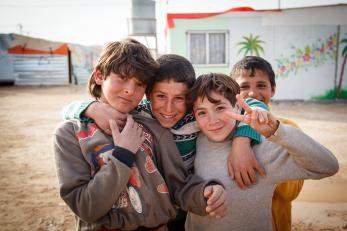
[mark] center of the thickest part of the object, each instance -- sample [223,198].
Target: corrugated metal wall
[40,69]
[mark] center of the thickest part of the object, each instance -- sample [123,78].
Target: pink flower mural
[312,55]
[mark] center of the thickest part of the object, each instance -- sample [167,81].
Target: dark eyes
[262,86]
[200,113]
[220,108]
[140,84]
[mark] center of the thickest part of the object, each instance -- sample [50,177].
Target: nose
[169,106]
[252,94]
[212,119]
[129,88]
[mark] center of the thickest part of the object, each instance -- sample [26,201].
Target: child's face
[168,100]
[257,86]
[212,118]
[122,93]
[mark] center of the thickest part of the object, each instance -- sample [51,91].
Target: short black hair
[174,67]
[252,63]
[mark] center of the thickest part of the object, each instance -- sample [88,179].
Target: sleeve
[244,129]
[300,158]
[75,109]
[186,190]
[289,190]
[89,198]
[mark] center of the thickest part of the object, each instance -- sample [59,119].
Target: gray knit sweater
[288,155]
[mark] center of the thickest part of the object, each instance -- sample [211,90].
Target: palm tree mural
[251,45]
[344,55]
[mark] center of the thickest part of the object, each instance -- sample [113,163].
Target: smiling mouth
[216,129]
[168,117]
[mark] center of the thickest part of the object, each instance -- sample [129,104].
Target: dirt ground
[29,197]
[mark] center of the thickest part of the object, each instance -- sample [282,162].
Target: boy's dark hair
[127,58]
[214,82]
[174,67]
[252,63]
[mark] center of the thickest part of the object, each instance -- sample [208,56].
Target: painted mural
[337,92]
[343,43]
[312,55]
[251,45]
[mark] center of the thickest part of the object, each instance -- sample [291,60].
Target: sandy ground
[29,197]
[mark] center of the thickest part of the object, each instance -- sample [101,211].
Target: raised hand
[130,138]
[101,113]
[260,120]
[217,203]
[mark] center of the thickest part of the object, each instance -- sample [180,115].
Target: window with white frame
[208,47]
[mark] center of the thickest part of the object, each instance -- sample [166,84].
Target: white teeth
[168,117]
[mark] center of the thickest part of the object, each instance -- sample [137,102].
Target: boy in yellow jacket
[257,80]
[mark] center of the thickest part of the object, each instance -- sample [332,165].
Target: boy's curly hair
[127,58]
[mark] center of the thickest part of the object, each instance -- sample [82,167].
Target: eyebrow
[216,104]
[159,91]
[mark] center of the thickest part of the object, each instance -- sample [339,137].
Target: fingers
[263,116]
[114,129]
[207,191]
[251,177]
[236,116]
[259,168]
[129,123]
[239,180]
[217,202]
[242,104]
[231,170]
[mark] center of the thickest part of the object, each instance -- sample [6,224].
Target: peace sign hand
[260,120]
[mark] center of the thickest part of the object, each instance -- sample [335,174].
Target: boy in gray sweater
[133,179]
[286,154]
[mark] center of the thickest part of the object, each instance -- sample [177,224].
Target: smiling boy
[287,153]
[257,80]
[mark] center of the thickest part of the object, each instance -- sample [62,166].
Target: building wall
[301,45]
[179,43]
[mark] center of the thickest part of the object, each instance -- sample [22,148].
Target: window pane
[198,48]
[217,48]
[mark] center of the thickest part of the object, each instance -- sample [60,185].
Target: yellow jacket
[283,196]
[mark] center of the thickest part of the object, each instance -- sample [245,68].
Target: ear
[273,90]
[99,77]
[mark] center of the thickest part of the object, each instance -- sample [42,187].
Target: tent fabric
[20,44]
[62,50]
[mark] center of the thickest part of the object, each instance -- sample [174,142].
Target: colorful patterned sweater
[109,187]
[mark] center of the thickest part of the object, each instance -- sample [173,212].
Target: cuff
[279,133]
[81,109]
[247,131]
[124,155]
